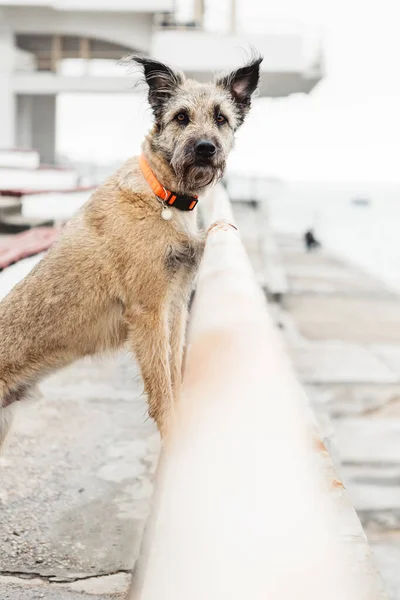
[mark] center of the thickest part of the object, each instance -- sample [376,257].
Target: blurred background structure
[319,152]
[56,48]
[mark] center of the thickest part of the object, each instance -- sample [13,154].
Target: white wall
[285,69]
[128,29]
[37,179]
[51,83]
[19,159]
[7,100]
[59,207]
[198,50]
[96,5]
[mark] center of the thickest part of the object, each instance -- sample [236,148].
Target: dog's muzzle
[205,149]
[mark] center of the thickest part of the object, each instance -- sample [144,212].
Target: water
[367,236]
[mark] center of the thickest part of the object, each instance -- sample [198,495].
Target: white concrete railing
[247,503]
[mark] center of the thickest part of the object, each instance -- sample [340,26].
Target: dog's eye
[182,117]
[220,119]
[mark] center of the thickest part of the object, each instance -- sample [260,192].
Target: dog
[123,268]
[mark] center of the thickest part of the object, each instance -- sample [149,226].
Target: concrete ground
[76,479]
[342,330]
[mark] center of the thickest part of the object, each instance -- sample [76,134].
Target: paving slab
[316,279]
[343,399]
[336,362]
[112,587]
[369,441]
[109,587]
[352,319]
[320,272]
[369,452]
[390,354]
[387,556]
[373,496]
[76,476]
[342,329]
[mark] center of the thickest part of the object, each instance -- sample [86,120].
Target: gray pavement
[342,330]
[76,479]
[111,587]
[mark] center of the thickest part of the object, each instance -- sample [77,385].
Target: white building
[38,37]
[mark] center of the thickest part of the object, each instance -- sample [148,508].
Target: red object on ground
[27,243]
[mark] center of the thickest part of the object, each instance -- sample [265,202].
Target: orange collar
[179,201]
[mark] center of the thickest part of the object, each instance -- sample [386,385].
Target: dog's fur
[119,273]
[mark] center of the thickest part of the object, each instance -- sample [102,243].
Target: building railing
[247,503]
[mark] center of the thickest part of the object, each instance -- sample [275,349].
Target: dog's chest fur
[186,253]
[178,240]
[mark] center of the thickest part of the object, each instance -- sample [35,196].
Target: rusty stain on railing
[248,504]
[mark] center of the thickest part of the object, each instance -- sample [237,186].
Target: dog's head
[195,123]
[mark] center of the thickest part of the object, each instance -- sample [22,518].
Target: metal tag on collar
[166,213]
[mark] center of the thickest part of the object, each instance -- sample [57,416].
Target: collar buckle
[181,201]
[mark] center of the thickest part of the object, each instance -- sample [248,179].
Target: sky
[347,129]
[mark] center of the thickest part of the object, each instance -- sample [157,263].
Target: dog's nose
[205,148]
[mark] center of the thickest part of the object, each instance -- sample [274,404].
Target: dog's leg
[179,313]
[6,418]
[149,338]
[178,321]
[9,401]
[7,411]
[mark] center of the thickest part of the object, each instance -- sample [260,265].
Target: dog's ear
[162,82]
[242,83]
